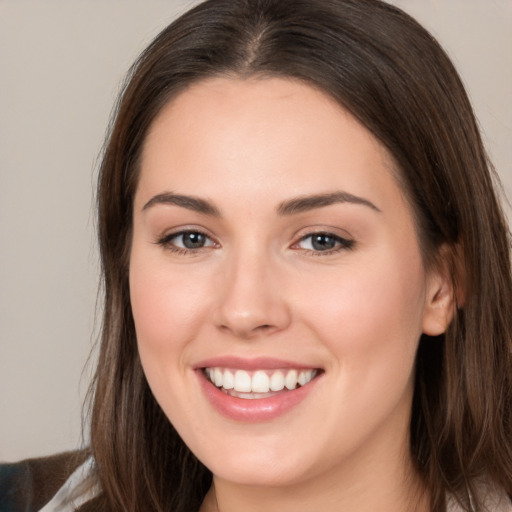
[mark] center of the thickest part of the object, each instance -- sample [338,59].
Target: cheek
[370,315]
[168,309]
[167,306]
[370,321]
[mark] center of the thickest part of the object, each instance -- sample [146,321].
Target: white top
[494,501]
[70,496]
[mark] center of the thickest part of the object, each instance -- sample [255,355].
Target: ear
[441,300]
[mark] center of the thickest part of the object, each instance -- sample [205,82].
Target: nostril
[248,332]
[265,328]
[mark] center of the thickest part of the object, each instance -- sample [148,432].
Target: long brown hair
[392,75]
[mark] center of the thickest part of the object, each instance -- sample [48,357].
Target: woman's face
[273,249]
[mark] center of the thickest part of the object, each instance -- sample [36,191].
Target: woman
[306,273]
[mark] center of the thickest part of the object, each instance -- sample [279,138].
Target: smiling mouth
[259,383]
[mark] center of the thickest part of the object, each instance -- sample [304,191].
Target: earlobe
[441,300]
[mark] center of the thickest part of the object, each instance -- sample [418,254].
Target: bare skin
[229,259]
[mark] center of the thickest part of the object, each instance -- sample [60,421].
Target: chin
[257,471]
[260,459]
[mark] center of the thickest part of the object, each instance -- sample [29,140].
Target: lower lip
[255,410]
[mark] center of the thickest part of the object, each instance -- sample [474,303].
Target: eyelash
[167,242]
[343,244]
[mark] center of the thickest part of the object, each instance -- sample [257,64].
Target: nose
[251,300]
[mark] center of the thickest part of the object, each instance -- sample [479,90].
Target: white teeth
[277,381]
[290,380]
[218,377]
[229,380]
[261,381]
[242,382]
[305,377]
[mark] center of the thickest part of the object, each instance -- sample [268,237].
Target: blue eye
[186,241]
[324,242]
[191,240]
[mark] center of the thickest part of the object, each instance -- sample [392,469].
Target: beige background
[61,64]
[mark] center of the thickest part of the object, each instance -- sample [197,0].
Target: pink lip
[258,363]
[257,410]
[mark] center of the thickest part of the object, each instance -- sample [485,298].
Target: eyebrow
[306,203]
[195,204]
[286,208]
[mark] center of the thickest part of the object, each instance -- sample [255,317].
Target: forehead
[260,137]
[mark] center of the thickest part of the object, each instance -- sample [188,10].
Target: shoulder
[491,498]
[28,485]
[496,500]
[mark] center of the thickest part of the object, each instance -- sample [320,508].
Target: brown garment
[27,486]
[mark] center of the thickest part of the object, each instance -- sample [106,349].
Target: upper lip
[257,363]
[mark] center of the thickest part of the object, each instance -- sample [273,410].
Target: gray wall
[61,64]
